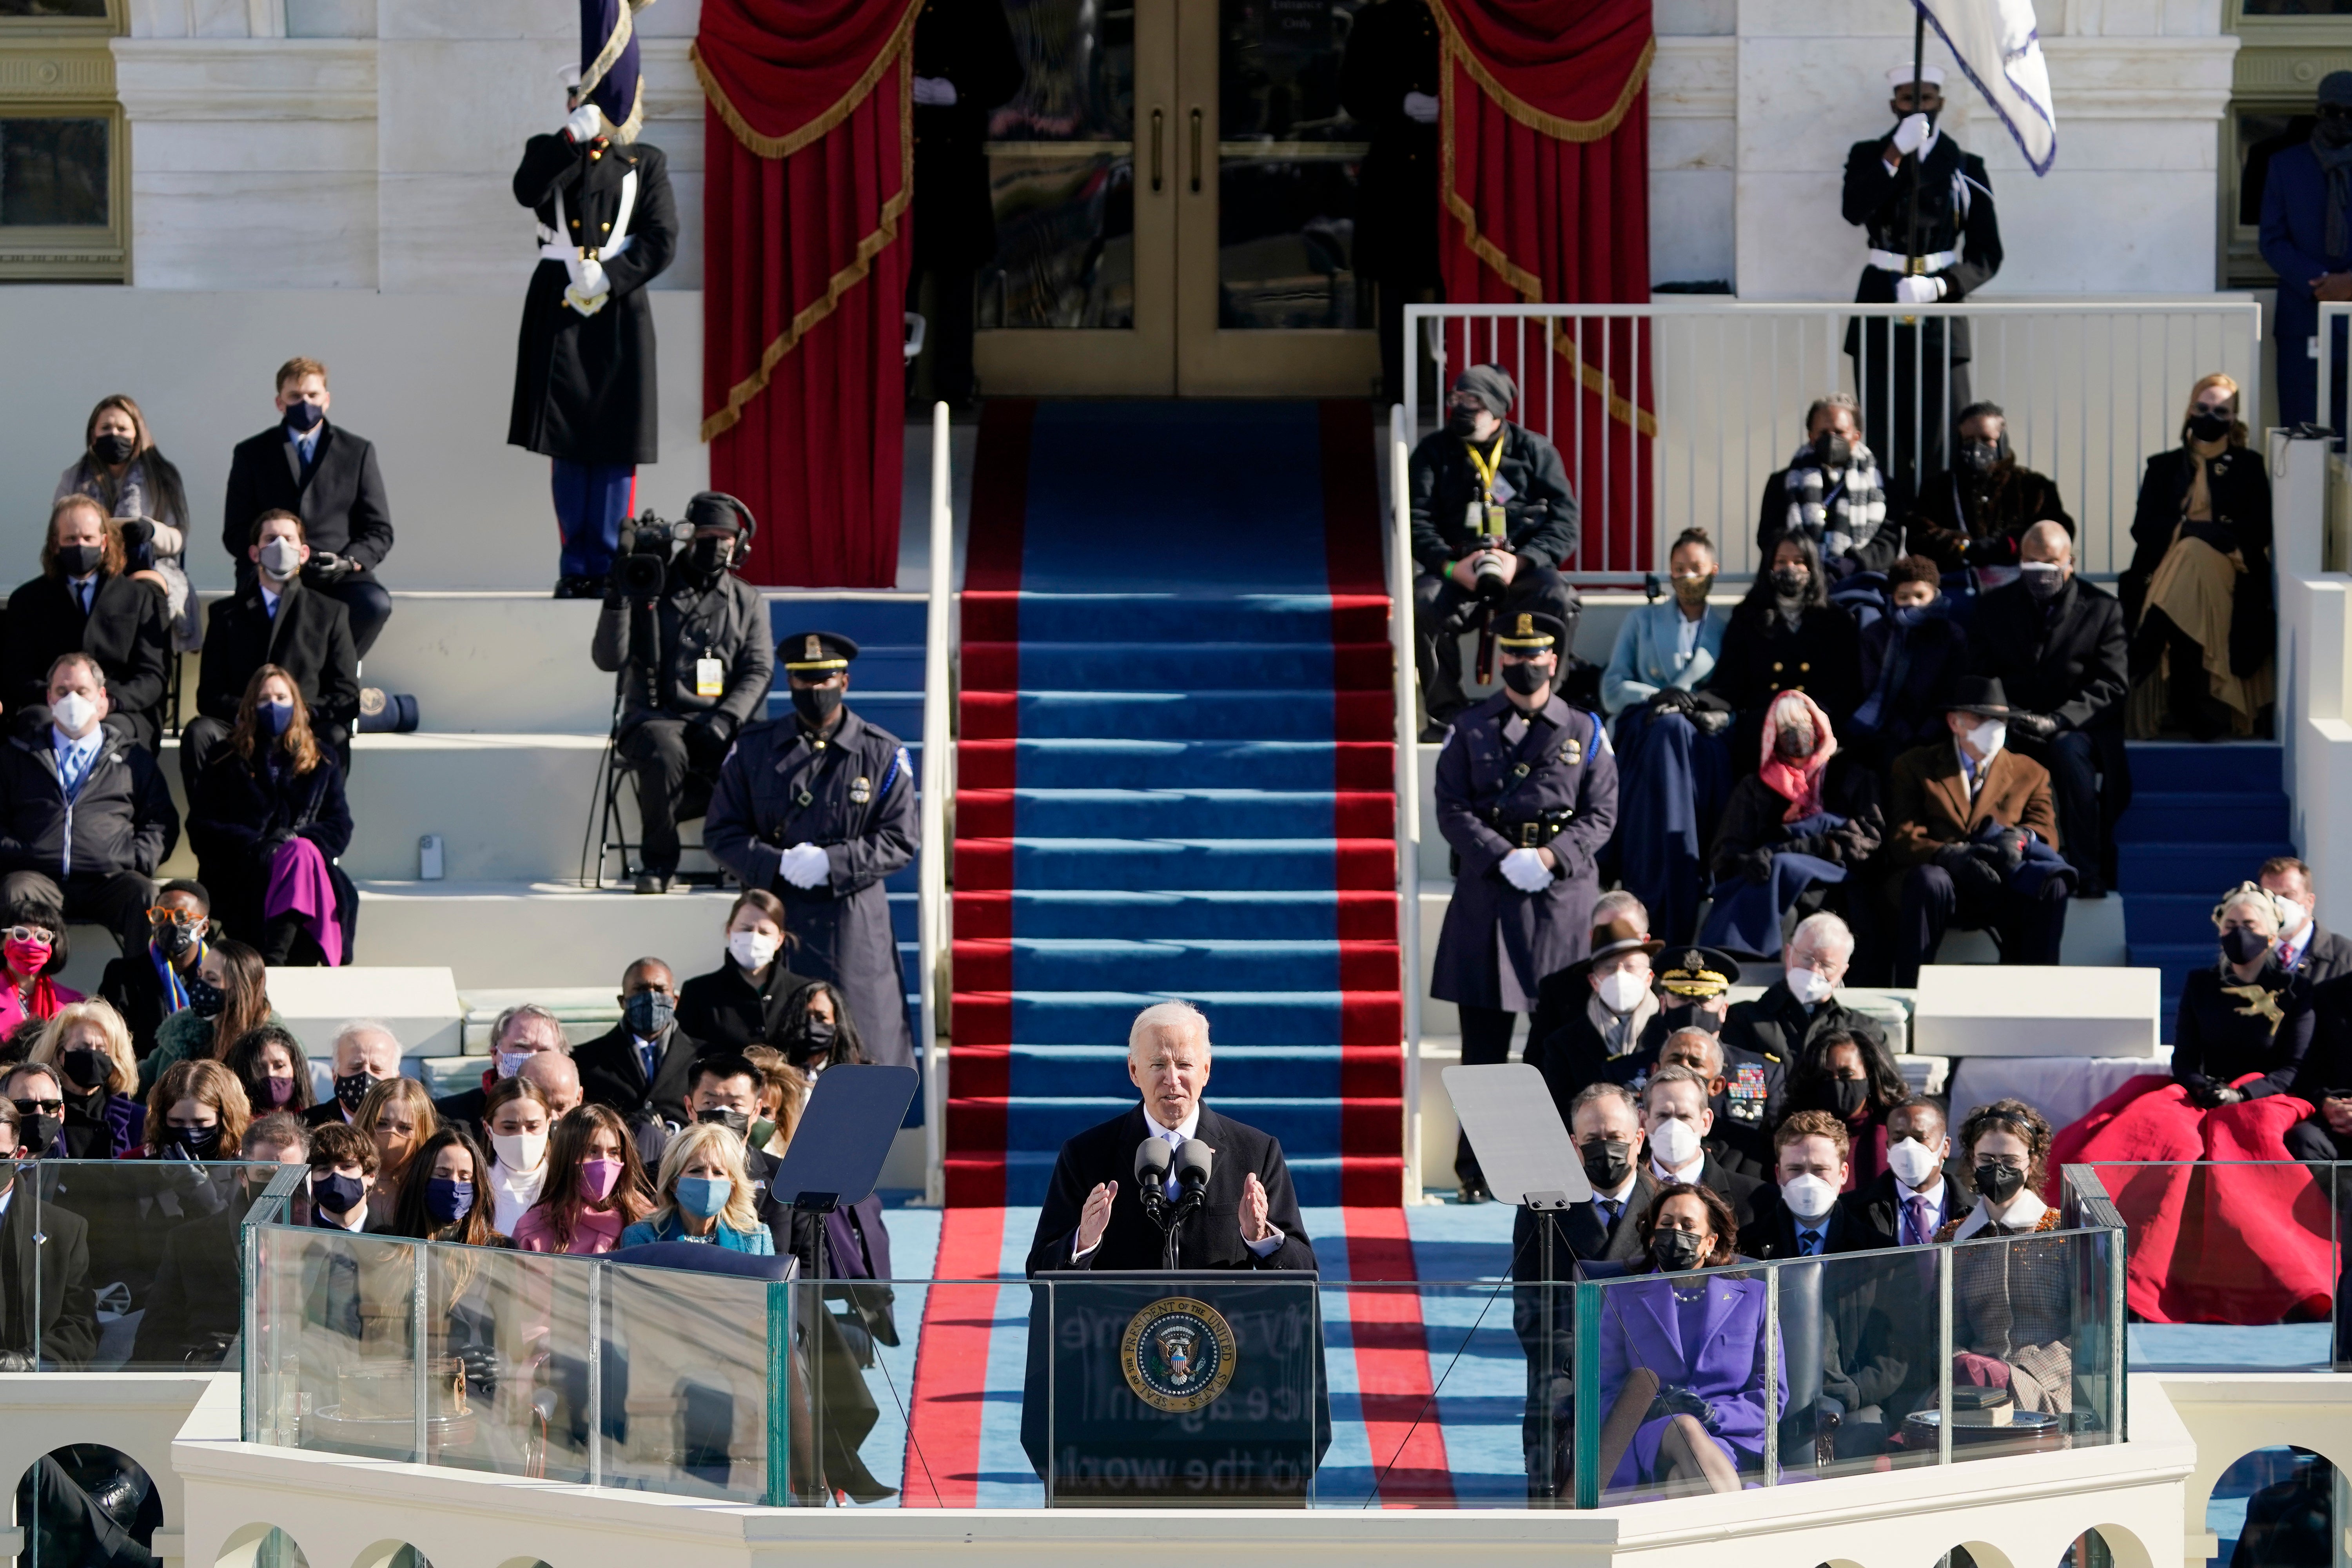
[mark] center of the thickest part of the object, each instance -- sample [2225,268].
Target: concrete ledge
[2074,1010]
[420,1006]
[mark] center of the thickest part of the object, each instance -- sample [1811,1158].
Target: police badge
[1177,1354]
[861,790]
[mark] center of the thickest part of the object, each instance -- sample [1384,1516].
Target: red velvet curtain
[1545,178]
[809,175]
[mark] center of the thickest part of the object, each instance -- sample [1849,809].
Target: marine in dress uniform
[584,393]
[1388,84]
[965,65]
[819,809]
[1960,251]
[1527,795]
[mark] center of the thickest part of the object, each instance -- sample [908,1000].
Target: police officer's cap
[1697,972]
[1529,632]
[716,509]
[815,654]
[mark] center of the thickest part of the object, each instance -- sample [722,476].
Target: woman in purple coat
[1703,1338]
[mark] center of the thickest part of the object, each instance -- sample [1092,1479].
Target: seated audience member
[1831,494]
[737,1004]
[1606,1124]
[273,621]
[703,1194]
[1972,841]
[1912,1197]
[18,1043]
[1810,1167]
[726,1092]
[557,1079]
[1563,994]
[596,1187]
[398,1115]
[523,1031]
[1705,1413]
[1694,988]
[85,815]
[196,1111]
[2243,1018]
[1785,636]
[1618,1020]
[783,1089]
[641,1066]
[89,1046]
[1803,1005]
[1855,1080]
[122,471]
[1974,513]
[2306,947]
[1798,826]
[1746,1093]
[1672,763]
[1910,659]
[516,1115]
[1676,1120]
[270,1063]
[268,821]
[2198,588]
[229,998]
[365,1054]
[814,1031]
[32,952]
[2012,1307]
[65,1306]
[343,1165]
[2056,643]
[2005,1147]
[328,477]
[195,1309]
[83,602]
[447,1194]
[149,983]
[37,1091]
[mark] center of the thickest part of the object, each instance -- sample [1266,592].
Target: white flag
[1999,47]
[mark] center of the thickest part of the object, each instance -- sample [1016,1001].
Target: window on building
[64,151]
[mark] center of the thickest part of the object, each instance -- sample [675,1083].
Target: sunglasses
[37,1107]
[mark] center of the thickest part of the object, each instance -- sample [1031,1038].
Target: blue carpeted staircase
[2202,820]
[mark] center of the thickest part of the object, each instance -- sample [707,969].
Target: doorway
[1174,190]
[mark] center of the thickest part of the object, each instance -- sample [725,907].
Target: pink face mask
[599,1177]
[281,1091]
[26,957]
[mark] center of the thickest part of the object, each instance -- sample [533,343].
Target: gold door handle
[1196,151]
[1156,118]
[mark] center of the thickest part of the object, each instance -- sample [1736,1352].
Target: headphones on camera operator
[649,545]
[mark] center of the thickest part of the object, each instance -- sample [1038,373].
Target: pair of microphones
[1154,1160]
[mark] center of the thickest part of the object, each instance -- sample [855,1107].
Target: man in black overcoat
[965,65]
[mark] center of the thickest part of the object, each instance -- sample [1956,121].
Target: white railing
[1719,389]
[931,907]
[1408,787]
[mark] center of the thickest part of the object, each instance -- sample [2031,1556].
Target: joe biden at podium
[1094,1215]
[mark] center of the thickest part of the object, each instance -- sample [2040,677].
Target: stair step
[994,616]
[2158,767]
[1059,963]
[871,623]
[1271,863]
[2169,917]
[1034,1124]
[1243,1017]
[2206,816]
[1174,812]
[1321,1181]
[1261,714]
[1091,762]
[1121,665]
[2196,867]
[1172,915]
[1324,1070]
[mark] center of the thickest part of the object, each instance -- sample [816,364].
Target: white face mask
[1623,991]
[752,950]
[1808,986]
[510,1062]
[1675,1143]
[281,558]
[1808,1196]
[1912,1161]
[73,713]
[519,1152]
[1989,736]
[2292,913]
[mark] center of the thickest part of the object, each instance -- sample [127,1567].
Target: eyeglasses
[37,1107]
[29,933]
[161,916]
[2009,1162]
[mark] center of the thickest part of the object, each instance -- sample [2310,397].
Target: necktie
[1610,1209]
[1809,1242]
[72,764]
[1175,1142]
[84,590]
[1917,1207]
[652,1057]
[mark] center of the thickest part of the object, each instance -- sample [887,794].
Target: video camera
[647,547]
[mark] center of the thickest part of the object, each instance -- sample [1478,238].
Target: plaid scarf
[1839,514]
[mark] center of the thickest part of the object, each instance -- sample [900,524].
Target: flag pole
[1918,158]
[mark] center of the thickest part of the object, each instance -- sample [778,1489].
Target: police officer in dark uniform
[818,809]
[1388,84]
[697,670]
[1959,252]
[965,65]
[1527,795]
[1483,476]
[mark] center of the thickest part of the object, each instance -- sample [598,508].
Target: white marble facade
[367,144]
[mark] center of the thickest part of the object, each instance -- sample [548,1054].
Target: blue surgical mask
[276,716]
[447,1201]
[337,1194]
[704,1197]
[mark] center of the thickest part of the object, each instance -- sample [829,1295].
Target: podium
[1202,1389]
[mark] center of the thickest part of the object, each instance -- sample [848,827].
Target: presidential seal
[1177,1354]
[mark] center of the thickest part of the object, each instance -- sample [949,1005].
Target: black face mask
[1999,1182]
[38,1134]
[1848,1096]
[205,998]
[1461,422]
[353,1088]
[2244,944]
[736,1121]
[112,450]
[196,1143]
[1607,1162]
[648,1013]
[172,939]
[1674,1251]
[88,1069]
[817,704]
[1978,456]
[2202,426]
[1787,582]
[1525,680]
[706,559]
[79,560]
[1832,451]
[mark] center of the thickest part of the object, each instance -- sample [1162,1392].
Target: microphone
[1192,1169]
[1151,1158]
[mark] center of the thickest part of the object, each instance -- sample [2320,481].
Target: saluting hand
[1255,1225]
[1095,1219]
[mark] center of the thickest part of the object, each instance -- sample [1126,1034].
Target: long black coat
[342,500]
[127,631]
[67,1303]
[123,819]
[1391,51]
[1754,817]
[1541,513]
[585,385]
[726,1012]
[1762,656]
[1571,767]
[2239,482]
[2222,1033]
[969,43]
[1976,519]
[243,812]
[1775,1025]
[1879,202]
[726,621]
[861,812]
[310,639]
[611,1073]
[1212,1238]
[2070,662]
[1935,655]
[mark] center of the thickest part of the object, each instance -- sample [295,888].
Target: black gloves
[1996,551]
[1671,699]
[708,736]
[137,533]
[1682,1402]
[482,1368]
[1969,869]
[2002,847]
[2032,726]
[324,568]
[2211,1096]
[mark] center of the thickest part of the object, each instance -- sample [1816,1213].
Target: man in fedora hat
[1972,832]
[1527,795]
[1619,1021]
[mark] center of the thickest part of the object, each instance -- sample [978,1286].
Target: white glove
[587,123]
[1918,291]
[1422,106]
[592,280]
[935,92]
[1525,869]
[586,304]
[806,866]
[1912,134]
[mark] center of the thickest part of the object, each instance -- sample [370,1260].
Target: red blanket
[2220,1243]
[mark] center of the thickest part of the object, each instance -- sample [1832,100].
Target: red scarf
[1799,781]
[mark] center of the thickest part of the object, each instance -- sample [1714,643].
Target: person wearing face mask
[1910,1200]
[2306,947]
[1912,373]
[1910,658]
[1618,1022]
[323,474]
[88,1049]
[84,601]
[194,1310]
[270,1063]
[150,983]
[1676,1116]
[343,1165]
[1811,1168]
[1831,494]
[267,822]
[1793,831]
[696,666]
[1673,765]
[1973,841]
[1746,1094]
[122,469]
[1975,513]
[520,1034]
[517,1118]
[32,953]
[1804,1006]
[66,1306]
[1853,1080]
[2197,591]
[1483,476]
[704,1195]
[2013,1307]
[596,1187]
[1527,797]
[1786,635]
[643,1067]
[197,1111]
[2306,239]
[229,998]
[365,1054]
[814,1031]
[818,809]
[2245,1025]
[274,619]
[725,1094]
[740,1003]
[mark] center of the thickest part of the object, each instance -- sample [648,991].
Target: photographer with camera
[1493,519]
[689,641]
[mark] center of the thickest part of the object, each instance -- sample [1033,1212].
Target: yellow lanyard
[1486,466]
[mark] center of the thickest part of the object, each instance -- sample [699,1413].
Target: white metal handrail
[932,873]
[1408,786]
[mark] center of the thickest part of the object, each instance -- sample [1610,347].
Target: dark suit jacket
[127,631]
[326,1112]
[196,1305]
[1749,1198]
[1928,807]
[68,1310]
[2069,663]
[611,1073]
[310,639]
[1774,1026]
[2327,956]
[1212,1238]
[464,1109]
[1578,1233]
[1872,1210]
[1775,1234]
[341,500]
